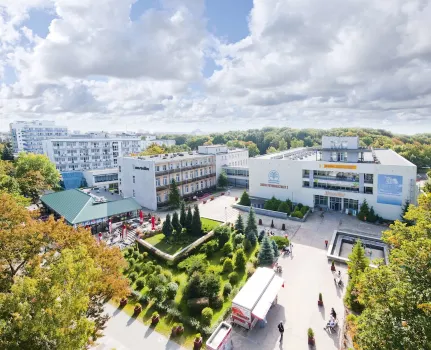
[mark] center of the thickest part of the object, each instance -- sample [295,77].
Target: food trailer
[254,300]
[221,339]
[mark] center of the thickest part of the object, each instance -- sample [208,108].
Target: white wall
[290,176]
[89,177]
[145,183]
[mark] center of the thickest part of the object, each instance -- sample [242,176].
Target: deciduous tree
[222,180]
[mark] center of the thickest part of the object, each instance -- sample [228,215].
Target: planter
[179,330]
[204,202]
[311,341]
[236,199]
[123,302]
[320,302]
[222,194]
[332,266]
[212,198]
[137,310]
[155,320]
[260,221]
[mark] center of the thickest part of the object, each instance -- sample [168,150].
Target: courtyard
[306,273]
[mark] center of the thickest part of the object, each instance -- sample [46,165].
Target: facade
[103,178]
[81,154]
[338,176]
[28,136]
[147,178]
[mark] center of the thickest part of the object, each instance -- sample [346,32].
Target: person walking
[281,330]
[333,313]
[326,243]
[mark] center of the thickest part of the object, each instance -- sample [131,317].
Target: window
[202,184]
[351,204]
[158,199]
[191,174]
[306,184]
[320,200]
[164,167]
[133,193]
[165,180]
[177,177]
[193,187]
[166,196]
[157,182]
[187,188]
[171,166]
[133,180]
[196,173]
[201,172]
[157,168]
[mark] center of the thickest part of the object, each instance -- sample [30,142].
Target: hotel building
[338,176]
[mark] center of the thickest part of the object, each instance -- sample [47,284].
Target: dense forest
[416,148]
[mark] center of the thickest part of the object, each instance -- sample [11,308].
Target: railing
[346,179]
[186,181]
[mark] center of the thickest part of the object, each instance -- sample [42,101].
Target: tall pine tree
[174,195]
[275,248]
[176,223]
[266,253]
[251,228]
[183,214]
[364,211]
[239,225]
[167,227]
[196,222]
[189,220]
[245,199]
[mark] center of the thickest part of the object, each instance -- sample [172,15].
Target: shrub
[140,283]
[159,292]
[304,209]
[222,259]
[227,289]
[158,269]
[280,241]
[130,251]
[193,322]
[230,255]
[209,248]
[233,278]
[167,274]
[300,205]
[141,258]
[240,260]
[297,214]
[228,265]
[162,278]
[253,260]
[152,281]
[238,239]
[240,246]
[135,255]
[197,262]
[196,305]
[207,315]
[133,276]
[247,245]
[227,248]
[132,263]
[144,300]
[250,271]
[261,235]
[137,268]
[216,302]
[174,312]
[222,233]
[144,255]
[210,285]
[171,290]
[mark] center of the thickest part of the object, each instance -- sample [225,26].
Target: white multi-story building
[28,136]
[338,176]
[147,179]
[225,156]
[80,154]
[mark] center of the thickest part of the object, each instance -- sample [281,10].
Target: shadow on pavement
[117,311]
[148,332]
[130,321]
[322,311]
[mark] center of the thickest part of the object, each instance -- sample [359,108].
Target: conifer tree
[245,199]
[174,195]
[266,253]
[176,223]
[251,228]
[196,222]
[275,248]
[364,211]
[167,227]
[239,224]
[183,214]
[189,220]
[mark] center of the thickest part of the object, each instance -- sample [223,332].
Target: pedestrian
[291,246]
[333,313]
[281,330]
[326,243]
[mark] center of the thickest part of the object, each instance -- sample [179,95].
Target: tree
[183,214]
[239,224]
[26,243]
[176,223]
[222,233]
[167,227]
[9,184]
[404,212]
[275,249]
[266,253]
[357,264]
[396,297]
[251,228]
[271,150]
[228,265]
[222,180]
[282,145]
[174,195]
[153,149]
[196,222]
[240,260]
[245,199]
[253,151]
[284,208]
[189,220]
[7,153]
[41,307]
[35,173]
[364,211]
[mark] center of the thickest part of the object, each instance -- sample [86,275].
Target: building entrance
[335,203]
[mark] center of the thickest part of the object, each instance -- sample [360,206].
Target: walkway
[125,333]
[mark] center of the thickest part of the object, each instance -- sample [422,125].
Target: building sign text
[339,166]
[275,186]
[141,168]
[334,194]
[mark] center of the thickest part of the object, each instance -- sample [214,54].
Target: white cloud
[305,63]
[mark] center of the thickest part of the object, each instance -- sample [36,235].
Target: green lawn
[208,224]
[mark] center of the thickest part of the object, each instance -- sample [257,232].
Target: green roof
[77,207]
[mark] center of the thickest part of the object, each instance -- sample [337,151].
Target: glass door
[335,203]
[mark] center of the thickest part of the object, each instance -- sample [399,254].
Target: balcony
[186,181]
[338,178]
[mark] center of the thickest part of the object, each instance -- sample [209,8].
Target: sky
[216,65]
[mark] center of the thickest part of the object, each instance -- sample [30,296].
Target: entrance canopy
[267,298]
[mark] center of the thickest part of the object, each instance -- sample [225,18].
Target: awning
[267,298]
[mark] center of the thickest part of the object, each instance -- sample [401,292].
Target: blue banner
[390,189]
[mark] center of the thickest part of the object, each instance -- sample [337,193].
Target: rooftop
[377,156]
[78,207]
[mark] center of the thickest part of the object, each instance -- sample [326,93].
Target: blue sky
[177,65]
